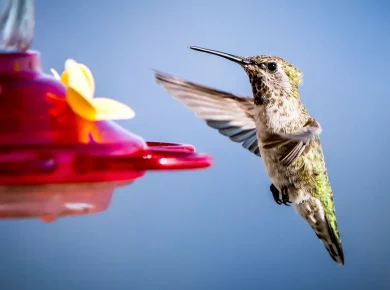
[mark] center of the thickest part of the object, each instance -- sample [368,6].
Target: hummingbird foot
[285,198]
[275,193]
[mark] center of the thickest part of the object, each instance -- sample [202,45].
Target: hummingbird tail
[312,211]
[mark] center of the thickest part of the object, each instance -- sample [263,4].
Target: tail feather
[311,210]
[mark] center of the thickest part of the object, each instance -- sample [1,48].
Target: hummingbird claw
[285,198]
[275,194]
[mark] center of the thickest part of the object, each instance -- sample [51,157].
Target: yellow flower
[80,88]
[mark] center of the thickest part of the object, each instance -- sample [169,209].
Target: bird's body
[275,125]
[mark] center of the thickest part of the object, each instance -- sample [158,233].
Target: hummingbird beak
[231,57]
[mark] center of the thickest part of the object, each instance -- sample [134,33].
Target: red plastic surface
[52,201]
[42,141]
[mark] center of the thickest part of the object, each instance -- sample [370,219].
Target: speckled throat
[257,89]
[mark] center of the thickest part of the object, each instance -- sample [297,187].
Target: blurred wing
[231,115]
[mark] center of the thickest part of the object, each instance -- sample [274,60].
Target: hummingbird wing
[297,142]
[231,115]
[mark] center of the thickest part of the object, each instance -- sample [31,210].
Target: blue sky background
[219,228]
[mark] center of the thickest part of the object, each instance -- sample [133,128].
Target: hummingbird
[272,124]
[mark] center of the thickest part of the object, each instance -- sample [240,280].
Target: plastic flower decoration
[80,89]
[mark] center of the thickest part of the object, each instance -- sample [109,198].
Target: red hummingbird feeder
[54,162]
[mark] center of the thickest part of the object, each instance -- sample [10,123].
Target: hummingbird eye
[272,66]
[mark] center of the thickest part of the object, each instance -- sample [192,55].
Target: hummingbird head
[272,78]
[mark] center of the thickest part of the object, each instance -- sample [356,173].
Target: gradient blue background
[219,228]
